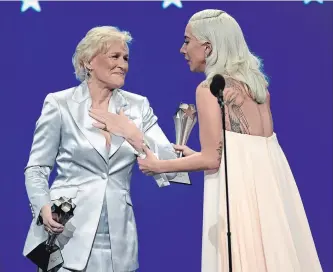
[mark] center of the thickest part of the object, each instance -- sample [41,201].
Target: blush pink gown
[269,227]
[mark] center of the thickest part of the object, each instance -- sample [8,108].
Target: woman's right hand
[185,149]
[50,220]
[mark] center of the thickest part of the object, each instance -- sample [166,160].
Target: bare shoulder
[203,90]
[230,83]
[234,92]
[268,97]
[203,85]
[234,85]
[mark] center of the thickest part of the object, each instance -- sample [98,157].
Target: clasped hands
[121,125]
[151,165]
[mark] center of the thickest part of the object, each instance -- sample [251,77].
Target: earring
[87,72]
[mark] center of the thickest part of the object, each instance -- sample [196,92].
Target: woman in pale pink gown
[270,230]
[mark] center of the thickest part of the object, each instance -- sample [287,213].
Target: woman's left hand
[117,124]
[149,165]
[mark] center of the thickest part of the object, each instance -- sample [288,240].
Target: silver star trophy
[47,255]
[185,118]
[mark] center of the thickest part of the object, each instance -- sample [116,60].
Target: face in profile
[194,51]
[110,68]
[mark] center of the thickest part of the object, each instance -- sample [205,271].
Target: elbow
[211,162]
[36,175]
[213,165]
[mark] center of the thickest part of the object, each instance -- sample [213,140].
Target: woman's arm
[210,129]
[42,155]
[154,136]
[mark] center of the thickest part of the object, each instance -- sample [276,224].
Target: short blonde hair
[96,41]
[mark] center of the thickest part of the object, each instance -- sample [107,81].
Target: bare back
[243,114]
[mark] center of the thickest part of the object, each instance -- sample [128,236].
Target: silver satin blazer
[86,172]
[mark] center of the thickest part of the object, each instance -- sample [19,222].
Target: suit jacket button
[104,176]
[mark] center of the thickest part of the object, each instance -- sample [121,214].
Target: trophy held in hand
[47,255]
[185,119]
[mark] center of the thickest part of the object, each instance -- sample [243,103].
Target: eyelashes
[118,56]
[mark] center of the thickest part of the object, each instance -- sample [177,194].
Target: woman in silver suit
[93,133]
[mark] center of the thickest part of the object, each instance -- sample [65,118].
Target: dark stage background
[293,39]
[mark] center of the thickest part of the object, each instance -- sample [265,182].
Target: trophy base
[46,259]
[181,178]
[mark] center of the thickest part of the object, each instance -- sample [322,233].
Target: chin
[118,83]
[192,69]
[196,69]
[115,85]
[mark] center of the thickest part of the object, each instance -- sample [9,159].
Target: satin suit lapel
[116,103]
[79,106]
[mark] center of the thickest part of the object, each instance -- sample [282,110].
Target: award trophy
[47,255]
[185,119]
